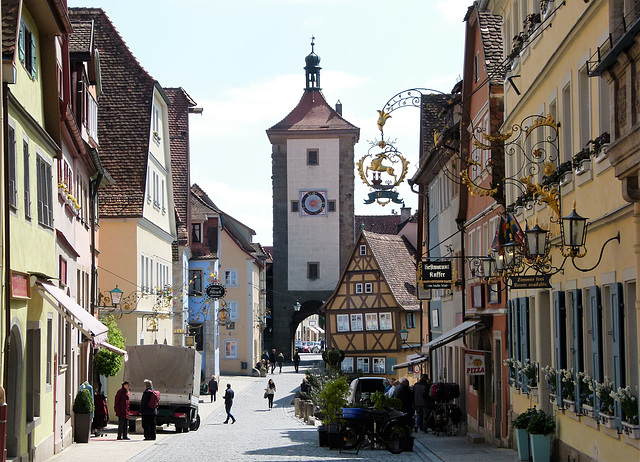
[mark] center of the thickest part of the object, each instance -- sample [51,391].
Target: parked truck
[175,373]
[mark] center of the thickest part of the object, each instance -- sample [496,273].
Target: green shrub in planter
[522,421]
[541,424]
[83,404]
[332,398]
[382,401]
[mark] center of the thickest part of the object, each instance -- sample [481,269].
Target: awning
[413,360]
[74,313]
[314,329]
[115,349]
[465,328]
[320,329]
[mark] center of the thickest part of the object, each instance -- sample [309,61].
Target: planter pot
[533,391]
[82,428]
[522,437]
[569,405]
[323,436]
[587,410]
[540,447]
[632,431]
[607,420]
[335,438]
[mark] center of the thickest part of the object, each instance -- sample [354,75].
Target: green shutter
[388,365]
[32,64]
[523,302]
[596,341]
[509,333]
[560,338]
[578,358]
[617,343]
[516,336]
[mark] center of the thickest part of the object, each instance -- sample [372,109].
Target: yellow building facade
[586,322]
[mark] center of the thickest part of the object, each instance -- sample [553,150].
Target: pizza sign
[474,362]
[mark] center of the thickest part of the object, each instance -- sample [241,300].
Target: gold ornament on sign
[544,194]
[382,119]
[473,188]
[548,121]
[498,138]
[377,166]
[106,299]
[548,168]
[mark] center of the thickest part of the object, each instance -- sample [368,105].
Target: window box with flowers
[68,199]
[604,393]
[629,407]
[531,22]
[550,375]
[511,365]
[587,392]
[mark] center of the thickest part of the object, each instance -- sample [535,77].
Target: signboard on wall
[474,362]
[533,281]
[20,285]
[435,274]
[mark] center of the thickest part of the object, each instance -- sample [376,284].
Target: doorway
[14,387]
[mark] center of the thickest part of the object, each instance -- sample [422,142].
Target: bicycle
[377,429]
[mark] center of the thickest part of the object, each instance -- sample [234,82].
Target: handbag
[266,395]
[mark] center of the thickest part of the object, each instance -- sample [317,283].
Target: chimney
[339,108]
[405,213]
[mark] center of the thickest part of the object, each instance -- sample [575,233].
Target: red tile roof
[380,224]
[313,113]
[80,40]
[124,118]
[10,26]
[396,258]
[179,140]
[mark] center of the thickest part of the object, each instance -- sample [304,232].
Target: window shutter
[560,338]
[524,335]
[509,332]
[389,363]
[516,335]
[21,42]
[32,64]
[596,341]
[617,343]
[578,354]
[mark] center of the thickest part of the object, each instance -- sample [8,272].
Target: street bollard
[297,406]
[308,412]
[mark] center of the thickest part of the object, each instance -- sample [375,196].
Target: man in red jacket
[121,406]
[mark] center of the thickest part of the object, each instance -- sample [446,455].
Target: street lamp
[488,266]
[116,296]
[574,230]
[537,239]
[297,306]
[404,335]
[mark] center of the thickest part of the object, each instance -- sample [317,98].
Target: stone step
[475,438]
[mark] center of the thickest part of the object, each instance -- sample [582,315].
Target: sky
[242,62]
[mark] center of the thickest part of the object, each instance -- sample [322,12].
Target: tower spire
[312,68]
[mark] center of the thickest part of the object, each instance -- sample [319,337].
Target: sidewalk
[122,451]
[459,449]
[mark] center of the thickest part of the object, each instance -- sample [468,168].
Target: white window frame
[371,321]
[386,321]
[368,288]
[358,287]
[347,365]
[232,310]
[232,350]
[342,323]
[378,366]
[361,362]
[231,277]
[363,250]
[356,322]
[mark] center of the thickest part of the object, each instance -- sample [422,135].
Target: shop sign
[536,281]
[215,291]
[435,274]
[474,362]
[20,285]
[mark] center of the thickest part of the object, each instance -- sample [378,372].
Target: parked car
[299,346]
[316,347]
[362,388]
[306,348]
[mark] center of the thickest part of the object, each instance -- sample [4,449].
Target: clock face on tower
[313,203]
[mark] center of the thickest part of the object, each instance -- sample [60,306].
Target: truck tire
[195,424]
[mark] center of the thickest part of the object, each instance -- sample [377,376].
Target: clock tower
[313,220]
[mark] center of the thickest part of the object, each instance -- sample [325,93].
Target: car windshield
[369,386]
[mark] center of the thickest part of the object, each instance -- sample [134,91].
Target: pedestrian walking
[405,395]
[228,402]
[280,362]
[420,394]
[270,391]
[121,407]
[296,360]
[265,358]
[149,409]
[272,360]
[213,387]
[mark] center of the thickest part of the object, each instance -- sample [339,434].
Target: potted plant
[604,392]
[520,425]
[550,375]
[530,371]
[82,409]
[540,428]
[332,398]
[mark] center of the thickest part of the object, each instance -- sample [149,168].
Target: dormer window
[155,123]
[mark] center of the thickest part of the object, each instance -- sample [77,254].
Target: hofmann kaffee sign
[435,274]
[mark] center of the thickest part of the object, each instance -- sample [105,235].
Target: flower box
[587,410]
[553,398]
[631,430]
[569,405]
[607,420]
[533,391]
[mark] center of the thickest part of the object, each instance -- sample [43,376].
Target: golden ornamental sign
[383,168]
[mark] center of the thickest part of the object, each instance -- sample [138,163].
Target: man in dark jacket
[121,406]
[296,360]
[213,388]
[149,410]
[272,360]
[228,402]
[405,394]
[420,391]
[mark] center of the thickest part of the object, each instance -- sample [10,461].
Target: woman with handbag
[270,391]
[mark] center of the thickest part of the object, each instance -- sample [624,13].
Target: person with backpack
[149,409]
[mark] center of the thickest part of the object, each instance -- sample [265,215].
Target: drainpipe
[7,237]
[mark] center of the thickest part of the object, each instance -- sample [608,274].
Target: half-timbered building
[375,299]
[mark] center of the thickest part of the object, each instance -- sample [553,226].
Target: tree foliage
[107,362]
